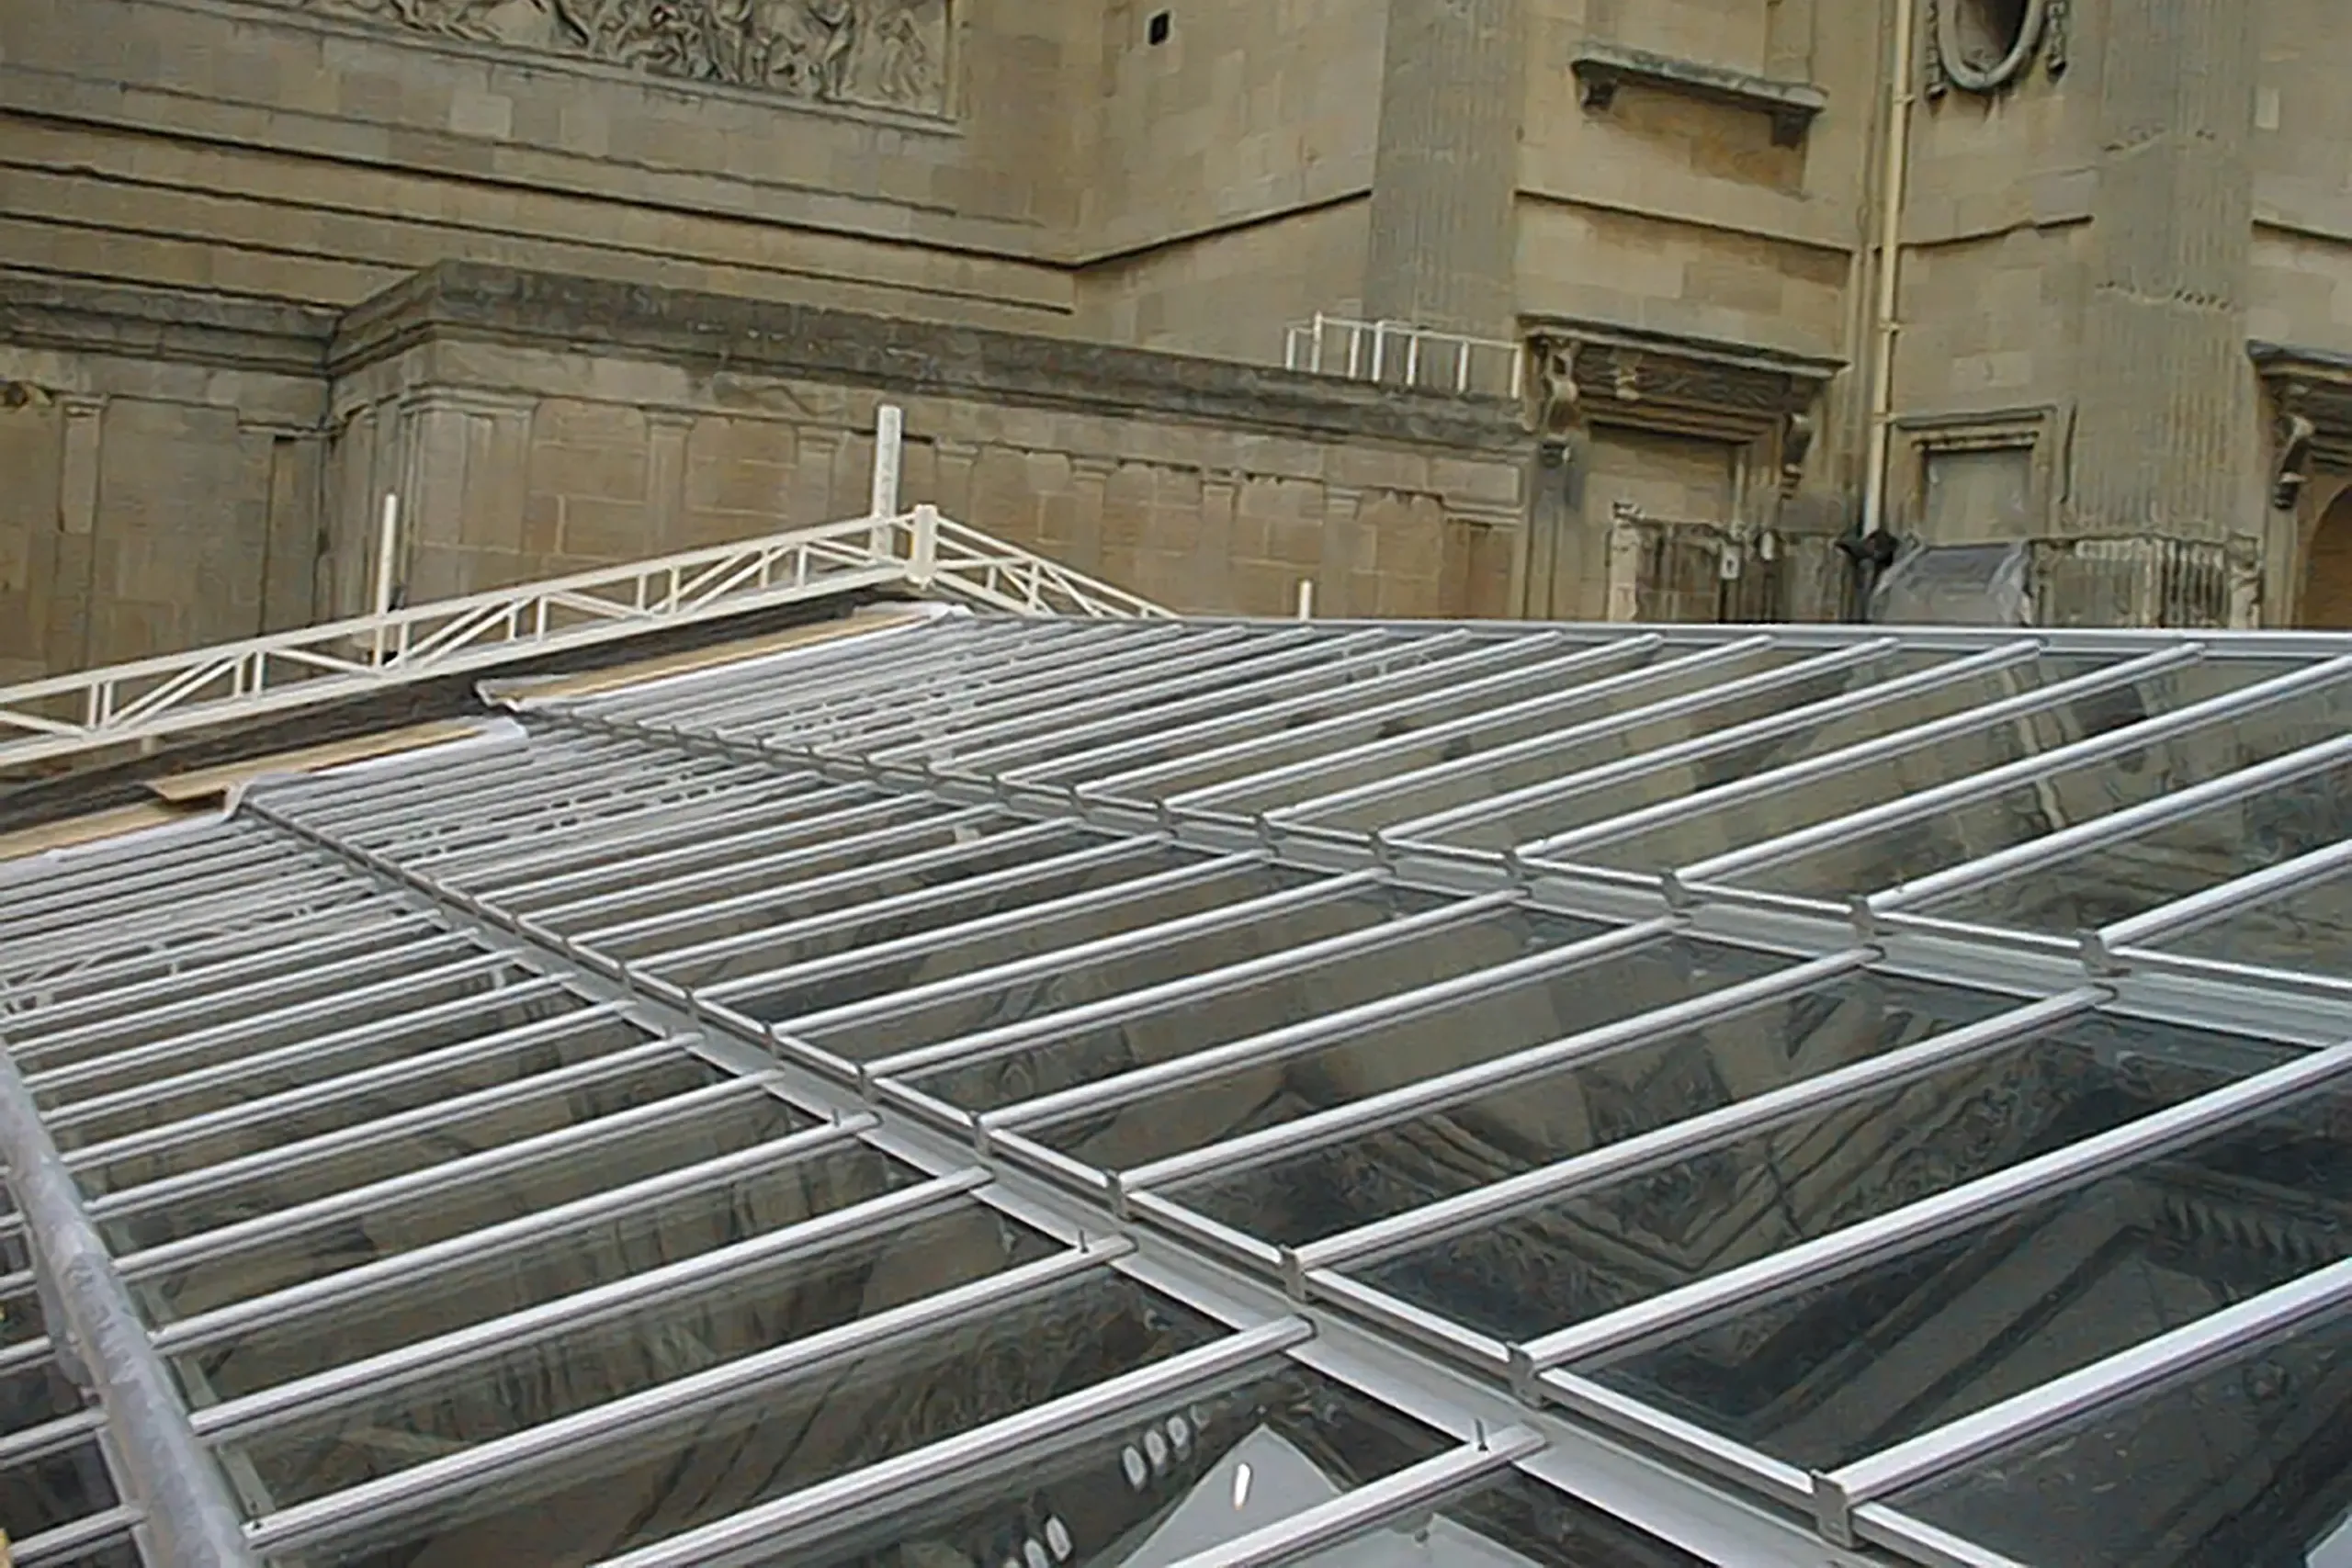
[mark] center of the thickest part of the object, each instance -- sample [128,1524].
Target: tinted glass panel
[1576,1259]
[2309,930]
[328,1247]
[1631,1090]
[41,1494]
[413,1308]
[2249,1463]
[1316,990]
[651,1482]
[1385,1055]
[1827,1375]
[34,1396]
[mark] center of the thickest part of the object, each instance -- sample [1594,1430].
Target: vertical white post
[1315,353]
[926,546]
[889,441]
[388,542]
[1379,346]
[1305,598]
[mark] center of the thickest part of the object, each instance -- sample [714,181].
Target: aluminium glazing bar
[2202,909]
[1260,679]
[444,1354]
[815,665]
[81,1541]
[97,911]
[1788,721]
[209,913]
[2047,1176]
[222,1240]
[292,1157]
[2325,1292]
[1628,685]
[987,1044]
[499,821]
[346,1086]
[1433,1094]
[38,902]
[2230,706]
[35,1443]
[1522,670]
[2052,848]
[1309,1035]
[191,1520]
[636,1418]
[1288,900]
[1007,1444]
[335,1292]
[1917,1541]
[93,982]
[308,1050]
[1411,1493]
[1881,748]
[389,805]
[1681,1139]
[1711,1451]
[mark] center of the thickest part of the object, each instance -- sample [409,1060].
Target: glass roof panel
[1830,1372]
[2243,1462]
[1752,814]
[1626,1091]
[35,1396]
[2308,929]
[287,1255]
[1383,1056]
[644,1484]
[1717,1209]
[41,1494]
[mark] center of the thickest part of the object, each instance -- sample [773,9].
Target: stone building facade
[587,280]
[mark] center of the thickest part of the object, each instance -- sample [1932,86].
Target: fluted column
[2166,431]
[1446,173]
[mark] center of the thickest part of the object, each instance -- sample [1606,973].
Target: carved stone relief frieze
[889,54]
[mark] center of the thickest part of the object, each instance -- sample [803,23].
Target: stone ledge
[180,326]
[701,331]
[1602,68]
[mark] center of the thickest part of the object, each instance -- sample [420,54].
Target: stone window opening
[1983,46]
[1159,28]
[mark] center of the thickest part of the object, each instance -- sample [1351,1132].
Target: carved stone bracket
[1590,374]
[887,54]
[1602,68]
[1990,46]
[2312,391]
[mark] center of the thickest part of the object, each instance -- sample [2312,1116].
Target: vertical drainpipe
[1886,328]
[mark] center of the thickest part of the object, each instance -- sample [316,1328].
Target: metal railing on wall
[1401,353]
[62,715]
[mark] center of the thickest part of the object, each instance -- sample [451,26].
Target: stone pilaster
[2168,412]
[1446,177]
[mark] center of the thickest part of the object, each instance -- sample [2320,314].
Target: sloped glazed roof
[985,1092]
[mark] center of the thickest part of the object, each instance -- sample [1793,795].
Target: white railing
[1400,353]
[66,715]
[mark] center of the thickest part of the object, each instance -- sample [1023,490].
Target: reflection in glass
[329,1247]
[1579,1258]
[43,1493]
[2025,812]
[542,1269]
[1828,1374]
[1044,932]
[648,1483]
[1630,1090]
[2245,1465]
[1384,1055]
[34,1396]
[2309,930]
[378,1433]
[1312,990]
[1710,828]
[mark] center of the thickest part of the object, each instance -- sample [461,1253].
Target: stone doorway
[2326,598]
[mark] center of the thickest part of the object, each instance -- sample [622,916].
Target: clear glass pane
[1463,779]
[1707,828]
[1633,1089]
[1826,1375]
[393,1227]
[537,1272]
[529,1384]
[2080,794]
[2309,930]
[43,1493]
[1382,1056]
[2134,875]
[1045,931]
[1183,1478]
[1316,990]
[1081,983]
[283,1186]
[34,1396]
[276,1127]
[648,1484]
[184,1089]
[1853,726]
[2245,1463]
[20,1317]
[1712,1211]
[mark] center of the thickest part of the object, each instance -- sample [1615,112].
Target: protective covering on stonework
[982,1092]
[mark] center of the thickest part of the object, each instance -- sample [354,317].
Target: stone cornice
[466,302]
[2313,389]
[178,326]
[1592,372]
